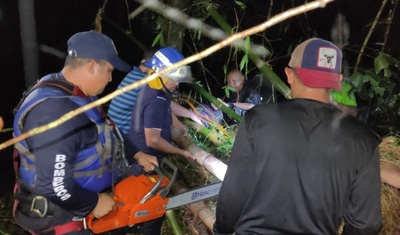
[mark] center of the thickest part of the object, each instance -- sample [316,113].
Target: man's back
[323,170]
[121,107]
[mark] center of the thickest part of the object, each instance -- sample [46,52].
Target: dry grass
[390,196]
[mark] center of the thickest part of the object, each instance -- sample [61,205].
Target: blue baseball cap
[318,63]
[95,45]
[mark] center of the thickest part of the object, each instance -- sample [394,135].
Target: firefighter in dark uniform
[64,171]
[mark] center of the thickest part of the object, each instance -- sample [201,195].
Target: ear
[289,75]
[91,66]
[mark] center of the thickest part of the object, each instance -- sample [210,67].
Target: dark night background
[57,20]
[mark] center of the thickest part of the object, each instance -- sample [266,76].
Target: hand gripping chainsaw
[143,198]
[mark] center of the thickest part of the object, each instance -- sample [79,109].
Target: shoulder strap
[62,85]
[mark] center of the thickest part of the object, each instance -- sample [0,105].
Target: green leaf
[387,73]
[390,86]
[392,102]
[356,81]
[240,4]
[159,39]
[381,63]
[198,35]
[247,44]
[225,69]
[198,83]
[244,61]
[227,94]
[228,90]
[380,91]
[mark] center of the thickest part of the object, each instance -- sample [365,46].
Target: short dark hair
[76,62]
[148,53]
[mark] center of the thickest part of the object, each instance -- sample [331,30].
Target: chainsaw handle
[166,168]
[154,190]
[171,171]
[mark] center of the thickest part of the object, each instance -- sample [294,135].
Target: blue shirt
[120,109]
[152,110]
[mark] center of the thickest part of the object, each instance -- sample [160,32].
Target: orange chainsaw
[143,198]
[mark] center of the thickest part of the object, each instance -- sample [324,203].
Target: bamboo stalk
[364,45]
[217,103]
[173,222]
[199,209]
[203,158]
[209,134]
[205,213]
[389,22]
[29,45]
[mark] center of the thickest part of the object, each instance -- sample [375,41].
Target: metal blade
[194,195]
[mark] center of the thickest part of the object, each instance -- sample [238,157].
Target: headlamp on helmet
[180,74]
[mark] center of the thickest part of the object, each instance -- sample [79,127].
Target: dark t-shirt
[152,110]
[297,168]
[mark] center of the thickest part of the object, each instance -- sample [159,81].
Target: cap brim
[119,64]
[147,64]
[319,79]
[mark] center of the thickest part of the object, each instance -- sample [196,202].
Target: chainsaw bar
[194,195]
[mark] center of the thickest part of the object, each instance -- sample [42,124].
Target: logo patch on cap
[318,63]
[327,58]
[163,58]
